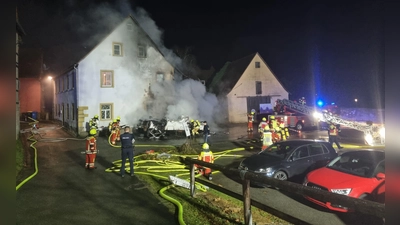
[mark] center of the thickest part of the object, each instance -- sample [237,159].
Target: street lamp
[356,100]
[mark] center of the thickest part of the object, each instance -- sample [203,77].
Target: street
[63,192]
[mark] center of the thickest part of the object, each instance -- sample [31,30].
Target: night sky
[332,50]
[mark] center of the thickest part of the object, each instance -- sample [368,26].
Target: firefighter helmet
[92,132]
[192,121]
[118,118]
[272,117]
[95,117]
[115,120]
[264,119]
[252,113]
[205,146]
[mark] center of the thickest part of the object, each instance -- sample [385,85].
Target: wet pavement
[63,192]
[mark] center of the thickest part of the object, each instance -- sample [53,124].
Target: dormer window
[129,26]
[257,64]
[117,49]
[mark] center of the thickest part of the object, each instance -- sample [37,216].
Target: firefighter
[119,120]
[273,125]
[333,133]
[91,149]
[115,133]
[93,123]
[267,139]
[250,120]
[196,127]
[262,126]
[282,131]
[205,155]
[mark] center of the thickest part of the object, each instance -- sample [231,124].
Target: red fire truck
[294,115]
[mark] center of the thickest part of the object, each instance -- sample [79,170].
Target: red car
[357,174]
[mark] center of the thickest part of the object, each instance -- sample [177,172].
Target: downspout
[76,97]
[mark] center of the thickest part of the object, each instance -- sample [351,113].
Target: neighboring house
[247,84]
[118,77]
[30,95]
[20,32]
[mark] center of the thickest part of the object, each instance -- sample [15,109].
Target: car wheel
[365,197]
[280,175]
[299,126]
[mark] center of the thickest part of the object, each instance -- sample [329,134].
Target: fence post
[192,180]
[247,204]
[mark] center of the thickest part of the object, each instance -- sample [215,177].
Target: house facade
[30,94]
[116,78]
[20,32]
[247,84]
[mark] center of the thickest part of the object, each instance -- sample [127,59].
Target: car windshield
[280,150]
[355,164]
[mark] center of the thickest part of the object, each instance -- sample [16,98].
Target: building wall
[246,87]
[17,89]
[65,107]
[129,72]
[29,95]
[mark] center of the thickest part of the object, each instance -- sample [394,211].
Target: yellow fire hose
[165,165]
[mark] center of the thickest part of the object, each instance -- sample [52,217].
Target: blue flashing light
[320,103]
[332,103]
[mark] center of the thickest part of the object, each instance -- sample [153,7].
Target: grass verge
[207,208]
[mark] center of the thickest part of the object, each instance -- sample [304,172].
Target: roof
[78,56]
[230,74]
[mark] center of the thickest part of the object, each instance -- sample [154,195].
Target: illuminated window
[107,78]
[257,64]
[160,77]
[142,51]
[258,88]
[117,49]
[106,111]
[67,111]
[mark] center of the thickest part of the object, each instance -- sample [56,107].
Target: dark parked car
[287,159]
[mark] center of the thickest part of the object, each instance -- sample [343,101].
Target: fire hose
[163,164]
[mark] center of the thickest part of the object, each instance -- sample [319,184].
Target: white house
[117,78]
[246,84]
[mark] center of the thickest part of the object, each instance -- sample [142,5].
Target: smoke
[167,99]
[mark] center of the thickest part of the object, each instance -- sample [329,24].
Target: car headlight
[344,191]
[266,170]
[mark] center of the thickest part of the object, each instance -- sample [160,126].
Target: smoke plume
[172,99]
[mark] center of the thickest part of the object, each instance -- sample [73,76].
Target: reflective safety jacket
[262,125]
[250,117]
[206,156]
[91,147]
[333,131]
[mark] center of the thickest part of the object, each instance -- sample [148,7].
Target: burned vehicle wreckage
[153,128]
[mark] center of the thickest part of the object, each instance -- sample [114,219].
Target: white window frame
[106,111]
[120,49]
[106,76]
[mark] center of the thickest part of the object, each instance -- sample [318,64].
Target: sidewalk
[64,192]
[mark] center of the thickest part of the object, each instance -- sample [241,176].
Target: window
[117,49]
[73,111]
[142,51]
[301,152]
[67,111]
[107,78]
[257,64]
[258,88]
[106,111]
[160,77]
[129,26]
[67,82]
[316,149]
